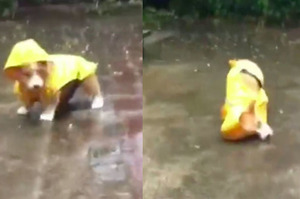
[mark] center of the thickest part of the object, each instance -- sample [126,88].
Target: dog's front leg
[49,106]
[27,103]
[22,110]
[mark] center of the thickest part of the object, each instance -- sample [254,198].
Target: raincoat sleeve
[86,68]
[231,121]
[262,106]
[237,102]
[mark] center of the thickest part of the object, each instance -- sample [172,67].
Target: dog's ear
[13,73]
[232,63]
[50,66]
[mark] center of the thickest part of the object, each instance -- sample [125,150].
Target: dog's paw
[49,116]
[265,131]
[22,111]
[97,102]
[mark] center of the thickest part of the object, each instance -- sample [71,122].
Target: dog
[50,80]
[244,112]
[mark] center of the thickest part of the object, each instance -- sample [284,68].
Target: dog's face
[33,75]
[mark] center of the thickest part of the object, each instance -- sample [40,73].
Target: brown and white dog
[244,112]
[50,79]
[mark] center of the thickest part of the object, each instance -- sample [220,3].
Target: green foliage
[7,7]
[37,2]
[154,19]
[274,10]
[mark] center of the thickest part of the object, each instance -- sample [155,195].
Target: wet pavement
[89,154]
[184,88]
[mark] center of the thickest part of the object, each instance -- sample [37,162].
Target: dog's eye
[42,71]
[27,74]
[42,63]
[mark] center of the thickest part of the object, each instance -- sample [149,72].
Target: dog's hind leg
[92,87]
[49,113]
[49,105]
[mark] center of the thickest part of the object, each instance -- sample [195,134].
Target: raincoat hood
[24,52]
[249,66]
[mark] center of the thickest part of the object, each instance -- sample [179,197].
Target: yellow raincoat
[65,67]
[238,98]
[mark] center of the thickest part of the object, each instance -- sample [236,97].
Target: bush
[156,19]
[275,10]
[9,7]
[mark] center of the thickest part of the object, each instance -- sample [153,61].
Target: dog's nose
[36,86]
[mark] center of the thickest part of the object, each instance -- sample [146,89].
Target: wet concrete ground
[184,87]
[90,154]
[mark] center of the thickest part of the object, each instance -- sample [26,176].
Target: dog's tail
[232,63]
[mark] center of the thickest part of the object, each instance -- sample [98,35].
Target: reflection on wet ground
[89,154]
[184,87]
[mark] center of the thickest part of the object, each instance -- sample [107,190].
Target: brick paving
[89,155]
